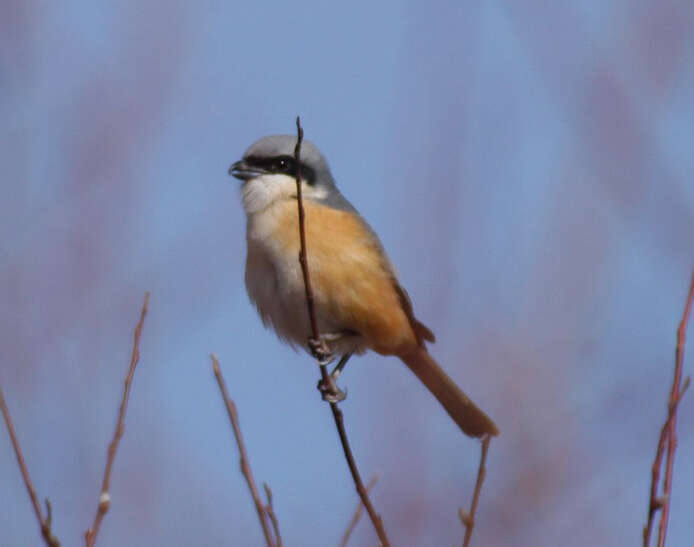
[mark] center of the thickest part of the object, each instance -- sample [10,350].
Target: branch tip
[468,517]
[243,456]
[104,497]
[667,441]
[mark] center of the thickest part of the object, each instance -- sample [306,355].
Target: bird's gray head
[268,171]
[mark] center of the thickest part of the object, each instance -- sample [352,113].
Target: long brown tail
[471,420]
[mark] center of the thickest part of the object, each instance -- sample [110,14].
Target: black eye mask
[285,165]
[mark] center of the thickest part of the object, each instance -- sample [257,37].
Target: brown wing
[353,282]
[421,331]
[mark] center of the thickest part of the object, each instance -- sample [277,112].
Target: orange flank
[351,280]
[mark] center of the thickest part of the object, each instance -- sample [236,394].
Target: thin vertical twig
[245,463]
[357,514]
[303,260]
[668,436]
[270,510]
[303,257]
[326,378]
[44,524]
[105,496]
[468,518]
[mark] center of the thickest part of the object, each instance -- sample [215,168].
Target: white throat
[260,192]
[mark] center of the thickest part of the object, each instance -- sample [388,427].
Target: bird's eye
[283,164]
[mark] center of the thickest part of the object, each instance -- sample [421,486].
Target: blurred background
[529,169]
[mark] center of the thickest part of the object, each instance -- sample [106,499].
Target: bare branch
[245,464]
[375,517]
[303,260]
[326,377]
[668,437]
[468,518]
[357,514]
[44,524]
[105,496]
[270,510]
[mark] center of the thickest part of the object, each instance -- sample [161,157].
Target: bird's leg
[321,350]
[329,390]
[340,366]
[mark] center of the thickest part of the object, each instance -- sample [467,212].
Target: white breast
[273,278]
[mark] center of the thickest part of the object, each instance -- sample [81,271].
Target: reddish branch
[357,514]
[668,437]
[302,233]
[327,379]
[468,518]
[105,496]
[44,524]
[270,510]
[245,464]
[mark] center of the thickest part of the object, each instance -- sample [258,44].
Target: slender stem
[20,459]
[105,496]
[672,414]
[303,252]
[270,510]
[361,490]
[469,518]
[668,437]
[303,260]
[327,379]
[245,463]
[44,524]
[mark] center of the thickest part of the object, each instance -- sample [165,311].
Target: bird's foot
[330,392]
[320,349]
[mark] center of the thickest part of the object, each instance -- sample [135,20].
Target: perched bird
[358,301]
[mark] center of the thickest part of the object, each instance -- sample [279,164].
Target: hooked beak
[242,171]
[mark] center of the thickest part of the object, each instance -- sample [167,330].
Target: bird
[359,303]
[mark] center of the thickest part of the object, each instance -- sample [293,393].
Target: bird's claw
[330,392]
[320,351]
